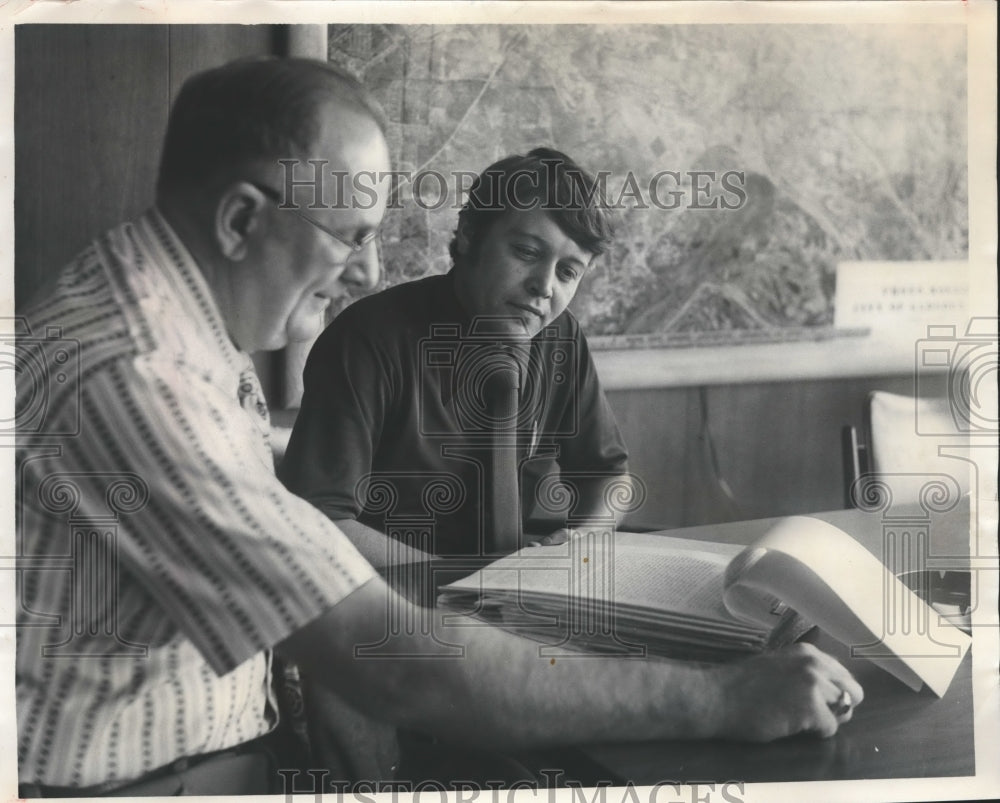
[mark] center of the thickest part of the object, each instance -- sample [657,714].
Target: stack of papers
[622,593]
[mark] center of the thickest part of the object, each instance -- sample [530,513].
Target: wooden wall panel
[777,446]
[655,423]
[199,47]
[90,106]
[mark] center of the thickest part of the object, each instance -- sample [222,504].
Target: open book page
[666,593]
[835,582]
[650,571]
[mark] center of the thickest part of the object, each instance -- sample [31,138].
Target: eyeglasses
[354,245]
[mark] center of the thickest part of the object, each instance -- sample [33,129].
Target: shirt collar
[448,309]
[190,288]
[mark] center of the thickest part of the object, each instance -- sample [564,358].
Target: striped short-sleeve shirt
[159,557]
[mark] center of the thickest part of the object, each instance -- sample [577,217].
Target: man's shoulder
[81,305]
[404,310]
[112,302]
[564,326]
[400,297]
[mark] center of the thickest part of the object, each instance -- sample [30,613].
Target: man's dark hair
[543,179]
[252,109]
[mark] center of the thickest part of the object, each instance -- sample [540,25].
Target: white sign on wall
[901,299]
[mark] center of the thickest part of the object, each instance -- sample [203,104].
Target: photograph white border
[980,18]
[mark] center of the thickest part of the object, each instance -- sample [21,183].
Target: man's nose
[361,273]
[542,278]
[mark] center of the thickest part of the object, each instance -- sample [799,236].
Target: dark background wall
[90,111]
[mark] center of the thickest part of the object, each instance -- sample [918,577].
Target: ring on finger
[842,704]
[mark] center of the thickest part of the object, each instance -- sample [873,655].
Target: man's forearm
[499,690]
[377,548]
[503,693]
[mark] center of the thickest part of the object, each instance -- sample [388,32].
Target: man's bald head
[249,114]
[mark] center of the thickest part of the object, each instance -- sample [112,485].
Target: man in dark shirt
[394,388]
[393,435]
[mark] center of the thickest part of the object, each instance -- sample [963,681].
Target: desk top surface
[895,732]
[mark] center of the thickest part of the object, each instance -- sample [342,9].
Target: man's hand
[564,534]
[560,536]
[793,690]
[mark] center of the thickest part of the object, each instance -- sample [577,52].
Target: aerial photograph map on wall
[747,161]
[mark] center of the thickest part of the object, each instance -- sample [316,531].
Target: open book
[635,593]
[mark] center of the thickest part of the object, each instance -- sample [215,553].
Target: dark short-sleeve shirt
[390,431]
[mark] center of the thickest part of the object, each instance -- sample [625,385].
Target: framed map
[747,161]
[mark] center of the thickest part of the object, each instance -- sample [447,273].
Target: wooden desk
[895,732]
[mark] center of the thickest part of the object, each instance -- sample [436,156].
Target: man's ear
[237,216]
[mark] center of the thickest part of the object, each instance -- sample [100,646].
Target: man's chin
[302,336]
[296,337]
[306,327]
